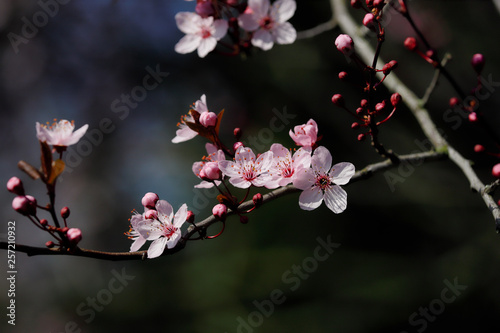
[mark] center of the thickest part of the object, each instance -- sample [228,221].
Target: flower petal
[174,239]
[342,172]
[188,44]
[75,136]
[304,179]
[283,10]
[336,199]
[137,244]
[165,211]
[220,27]
[263,39]
[207,45]
[284,33]
[188,22]
[229,168]
[259,7]
[321,161]
[184,133]
[239,182]
[311,198]
[157,247]
[180,216]
[248,22]
[150,229]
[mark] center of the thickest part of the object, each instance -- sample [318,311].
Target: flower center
[205,32]
[169,230]
[249,172]
[266,23]
[323,182]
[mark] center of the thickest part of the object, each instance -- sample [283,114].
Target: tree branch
[392,82]
[362,174]
[319,29]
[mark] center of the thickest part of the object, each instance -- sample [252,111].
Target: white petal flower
[60,133]
[285,166]
[214,155]
[321,182]
[184,133]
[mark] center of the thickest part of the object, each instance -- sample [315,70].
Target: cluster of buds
[429,55]
[257,24]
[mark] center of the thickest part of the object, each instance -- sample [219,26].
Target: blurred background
[399,249]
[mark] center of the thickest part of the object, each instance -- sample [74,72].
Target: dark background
[397,246]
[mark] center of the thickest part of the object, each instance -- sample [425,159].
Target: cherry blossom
[184,133]
[245,170]
[285,166]
[214,155]
[305,135]
[322,181]
[60,133]
[269,23]
[165,231]
[133,234]
[201,33]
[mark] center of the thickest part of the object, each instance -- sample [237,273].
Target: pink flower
[208,119]
[60,133]
[164,231]
[15,185]
[245,170]
[24,204]
[322,181]
[344,44]
[133,234]
[201,33]
[269,23]
[184,133]
[220,211]
[74,236]
[285,166]
[149,200]
[305,135]
[214,155]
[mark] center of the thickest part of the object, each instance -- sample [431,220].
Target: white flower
[245,170]
[60,133]
[184,133]
[285,166]
[201,33]
[164,231]
[320,182]
[133,234]
[269,23]
[214,155]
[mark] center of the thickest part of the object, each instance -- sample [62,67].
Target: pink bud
[344,44]
[204,9]
[211,171]
[257,199]
[380,106]
[50,244]
[338,100]
[477,62]
[363,103]
[354,125]
[149,200]
[151,214]
[454,101]
[190,217]
[496,171]
[237,145]
[472,117]
[356,4]
[237,133]
[361,137]
[343,75]
[359,110]
[369,21]
[74,236]
[44,222]
[220,212]
[65,212]
[479,148]
[395,99]
[15,185]
[410,43]
[208,119]
[24,204]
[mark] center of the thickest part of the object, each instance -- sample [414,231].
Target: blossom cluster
[255,22]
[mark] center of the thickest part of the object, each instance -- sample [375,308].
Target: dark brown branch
[364,173]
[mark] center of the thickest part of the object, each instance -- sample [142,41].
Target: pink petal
[310,198]
[244,155]
[184,133]
[302,158]
[303,179]
[188,22]
[284,33]
[75,136]
[283,10]
[321,160]
[180,216]
[336,199]
[264,161]
[239,182]
[137,244]
[207,45]
[188,44]
[173,240]
[248,22]
[229,168]
[279,151]
[342,172]
[263,39]
[220,27]
[165,211]
[157,247]
[259,7]
[150,229]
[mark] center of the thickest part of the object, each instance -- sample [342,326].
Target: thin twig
[435,80]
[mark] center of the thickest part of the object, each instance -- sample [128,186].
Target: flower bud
[220,212]
[361,137]
[15,185]
[359,111]
[74,236]
[190,217]
[354,125]
[477,62]
[380,106]
[24,204]
[210,171]
[369,21]
[50,244]
[65,212]
[395,99]
[343,75]
[44,222]
[363,103]
[344,44]
[257,199]
[237,145]
[479,148]
[151,214]
[411,43]
[496,171]
[454,101]
[243,219]
[356,4]
[338,100]
[204,9]
[237,133]
[208,119]
[149,200]
[378,4]
[472,117]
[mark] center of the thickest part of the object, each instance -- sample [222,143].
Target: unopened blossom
[305,135]
[269,23]
[202,34]
[15,185]
[149,200]
[246,170]
[74,236]
[24,204]
[184,133]
[213,155]
[321,182]
[164,231]
[220,211]
[208,119]
[285,166]
[344,44]
[60,133]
